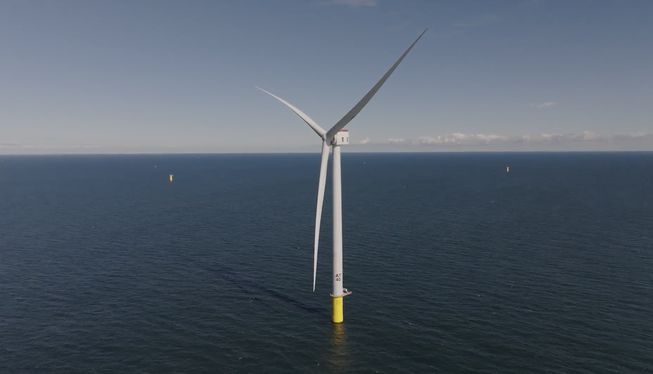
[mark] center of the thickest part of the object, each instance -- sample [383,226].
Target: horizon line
[316,153]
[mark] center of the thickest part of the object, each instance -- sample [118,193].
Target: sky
[138,76]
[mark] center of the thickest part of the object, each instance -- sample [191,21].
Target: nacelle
[341,138]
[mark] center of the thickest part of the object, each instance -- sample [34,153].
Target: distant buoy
[170,178]
[507,169]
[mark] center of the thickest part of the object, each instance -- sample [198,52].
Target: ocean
[455,264]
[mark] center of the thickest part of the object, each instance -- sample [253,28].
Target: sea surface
[456,266]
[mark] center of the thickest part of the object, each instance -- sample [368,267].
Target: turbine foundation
[337,316]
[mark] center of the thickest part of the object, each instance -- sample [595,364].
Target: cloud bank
[586,140]
[453,142]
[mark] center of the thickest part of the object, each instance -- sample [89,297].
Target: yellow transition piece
[337,316]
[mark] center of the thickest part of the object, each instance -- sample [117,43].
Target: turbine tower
[332,140]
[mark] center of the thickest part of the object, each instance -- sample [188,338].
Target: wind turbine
[333,139]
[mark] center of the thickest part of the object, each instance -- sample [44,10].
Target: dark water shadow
[252,288]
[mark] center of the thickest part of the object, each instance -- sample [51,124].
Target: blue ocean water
[455,265]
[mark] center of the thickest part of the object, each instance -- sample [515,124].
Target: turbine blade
[361,104]
[320,200]
[318,130]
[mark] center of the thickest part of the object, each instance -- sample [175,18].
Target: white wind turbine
[333,139]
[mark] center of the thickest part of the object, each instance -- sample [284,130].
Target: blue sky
[179,76]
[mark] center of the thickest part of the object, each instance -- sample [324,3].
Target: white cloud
[586,140]
[354,3]
[365,141]
[545,105]
[459,138]
[478,21]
